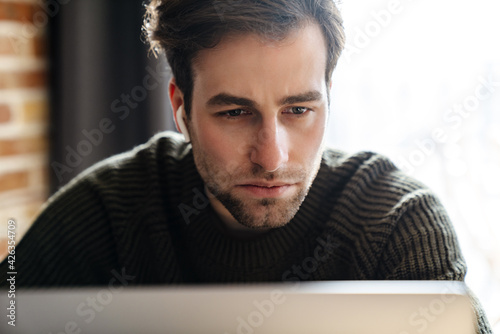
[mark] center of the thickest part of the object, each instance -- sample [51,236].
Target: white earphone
[179,116]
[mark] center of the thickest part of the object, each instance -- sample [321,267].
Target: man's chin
[259,222]
[262,213]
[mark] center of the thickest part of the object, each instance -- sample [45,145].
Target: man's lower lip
[266,192]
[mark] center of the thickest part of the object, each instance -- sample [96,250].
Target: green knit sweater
[145,213]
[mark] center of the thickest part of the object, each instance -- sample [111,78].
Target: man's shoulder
[371,187]
[164,147]
[135,174]
[367,160]
[366,168]
[377,211]
[169,146]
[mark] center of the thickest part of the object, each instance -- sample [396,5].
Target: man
[249,194]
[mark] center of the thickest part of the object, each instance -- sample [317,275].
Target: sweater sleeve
[69,244]
[424,246]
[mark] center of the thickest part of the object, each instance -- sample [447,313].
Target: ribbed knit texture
[144,212]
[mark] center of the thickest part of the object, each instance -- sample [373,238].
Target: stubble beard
[257,213]
[270,212]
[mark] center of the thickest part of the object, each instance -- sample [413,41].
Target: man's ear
[180,123]
[177,101]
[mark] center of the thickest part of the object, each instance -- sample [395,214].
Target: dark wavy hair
[181,28]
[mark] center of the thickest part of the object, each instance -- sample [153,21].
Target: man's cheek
[223,173]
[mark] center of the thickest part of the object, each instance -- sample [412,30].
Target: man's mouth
[266,189]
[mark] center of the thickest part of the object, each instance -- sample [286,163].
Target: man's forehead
[298,61]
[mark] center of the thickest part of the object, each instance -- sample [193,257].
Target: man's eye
[235,112]
[298,110]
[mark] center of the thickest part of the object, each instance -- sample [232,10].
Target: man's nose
[270,149]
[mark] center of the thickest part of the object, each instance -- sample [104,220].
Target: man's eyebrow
[224,99]
[310,96]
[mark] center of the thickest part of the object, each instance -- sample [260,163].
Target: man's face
[257,124]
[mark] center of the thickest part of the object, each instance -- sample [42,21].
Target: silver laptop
[374,307]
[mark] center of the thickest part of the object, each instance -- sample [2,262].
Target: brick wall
[23,114]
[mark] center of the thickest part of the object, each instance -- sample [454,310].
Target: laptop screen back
[381,307]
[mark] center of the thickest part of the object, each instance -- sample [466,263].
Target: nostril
[274,170]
